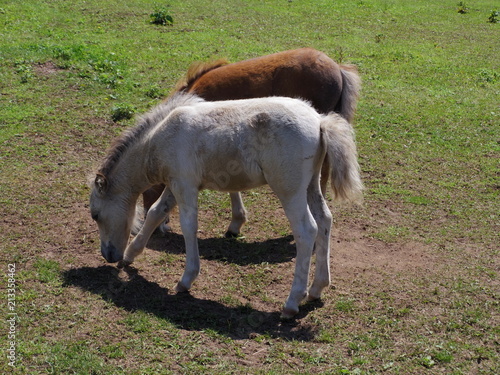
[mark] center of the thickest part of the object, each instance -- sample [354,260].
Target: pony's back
[302,73]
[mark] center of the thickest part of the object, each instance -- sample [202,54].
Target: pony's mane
[195,71]
[145,123]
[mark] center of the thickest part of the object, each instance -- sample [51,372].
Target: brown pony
[301,73]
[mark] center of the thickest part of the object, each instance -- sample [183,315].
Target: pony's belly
[232,178]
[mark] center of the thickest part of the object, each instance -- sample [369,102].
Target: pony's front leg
[187,200]
[239,215]
[155,216]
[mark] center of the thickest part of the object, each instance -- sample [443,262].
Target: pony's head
[123,177]
[113,211]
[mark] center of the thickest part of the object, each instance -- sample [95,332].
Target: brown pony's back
[302,73]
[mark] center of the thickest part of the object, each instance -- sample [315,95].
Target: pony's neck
[127,165]
[130,174]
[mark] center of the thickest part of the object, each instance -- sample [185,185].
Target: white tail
[351,86]
[338,139]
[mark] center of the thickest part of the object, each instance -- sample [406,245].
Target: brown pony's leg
[151,195]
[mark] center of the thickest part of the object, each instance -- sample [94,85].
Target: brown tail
[195,71]
[351,86]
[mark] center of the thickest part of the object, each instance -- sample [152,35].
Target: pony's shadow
[129,290]
[230,250]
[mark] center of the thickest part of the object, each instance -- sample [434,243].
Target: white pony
[189,144]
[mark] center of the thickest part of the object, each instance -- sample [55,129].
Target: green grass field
[415,286]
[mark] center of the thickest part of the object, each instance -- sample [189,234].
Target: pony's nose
[110,253]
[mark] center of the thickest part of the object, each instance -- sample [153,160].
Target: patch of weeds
[488,76]
[482,353]
[113,351]
[262,338]
[326,337]
[344,371]
[494,17]
[108,79]
[77,358]
[108,71]
[353,348]
[392,233]
[442,355]
[214,335]
[399,313]
[256,280]
[388,366]
[160,16]
[25,71]
[91,62]
[207,358]
[155,92]
[193,367]
[26,295]
[138,322]
[122,112]
[379,38]
[68,53]
[230,301]
[462,7]
[418,200]
[48,271]
[345,305]
[310,358]
[427,361]
[103,65]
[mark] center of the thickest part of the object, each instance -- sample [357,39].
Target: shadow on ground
[184,310]
[231,250]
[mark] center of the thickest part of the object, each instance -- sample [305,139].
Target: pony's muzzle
[110,252]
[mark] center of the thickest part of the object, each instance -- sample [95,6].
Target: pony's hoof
[123,263]
[230,234]
[162,230]
[180,288]
[165,228]
[237,236]
[288,313]
[312,298]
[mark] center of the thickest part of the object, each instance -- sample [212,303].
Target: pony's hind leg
[325,174]
[323,218]
[239,215]
[155,216]
[304,230]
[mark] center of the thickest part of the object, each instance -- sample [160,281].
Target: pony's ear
[101,183]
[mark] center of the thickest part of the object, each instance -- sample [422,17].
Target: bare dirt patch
[46,69]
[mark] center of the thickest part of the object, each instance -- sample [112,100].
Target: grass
[415,271]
